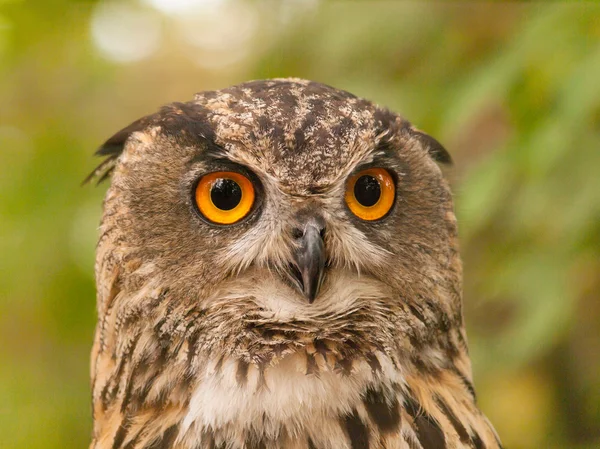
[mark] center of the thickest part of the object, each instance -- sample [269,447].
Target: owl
[278,267]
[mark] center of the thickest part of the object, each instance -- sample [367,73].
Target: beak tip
[309,265]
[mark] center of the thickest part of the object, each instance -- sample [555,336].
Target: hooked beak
[310,259]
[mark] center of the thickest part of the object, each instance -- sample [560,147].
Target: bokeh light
[124,32]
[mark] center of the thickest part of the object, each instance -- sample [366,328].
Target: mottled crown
[281,120]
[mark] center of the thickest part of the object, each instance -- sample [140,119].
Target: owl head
[258,219]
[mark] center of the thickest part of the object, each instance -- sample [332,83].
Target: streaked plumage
[202,342]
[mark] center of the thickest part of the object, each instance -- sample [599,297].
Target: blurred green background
[511,89]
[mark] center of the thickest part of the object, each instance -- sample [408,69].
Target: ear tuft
[435,149]
[113,148]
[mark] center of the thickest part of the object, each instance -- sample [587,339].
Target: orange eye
[224,197]
[370,193]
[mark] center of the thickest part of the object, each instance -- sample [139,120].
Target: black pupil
[225,193]
[367,190]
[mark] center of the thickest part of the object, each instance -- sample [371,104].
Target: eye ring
[370,193]
[224,197]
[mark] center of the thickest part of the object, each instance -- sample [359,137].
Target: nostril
[297,233]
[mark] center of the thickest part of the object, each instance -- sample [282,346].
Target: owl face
[285,206]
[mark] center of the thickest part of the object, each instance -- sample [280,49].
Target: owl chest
[284,396]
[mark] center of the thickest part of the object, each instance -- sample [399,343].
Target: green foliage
[512,90]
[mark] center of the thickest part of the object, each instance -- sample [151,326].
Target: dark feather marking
[299,140]
[428,430]
[219,365]
[159,324]
[136,400]
[385,415]
[373,363]
[430,434]
[358,433]
[241,374]
[386,120]
[426,366]
[253,443]
[344,366]
[310,443]
[108,393]
[279,348]
[477,441]
[133,443]
[444,321]
[460,429]
[311,364]
[417,313]
[462,340]
[165,441]
[435,149]
[144,366]
[111,388]
[466,382]
[192,341]
[321,348]
[121,433]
